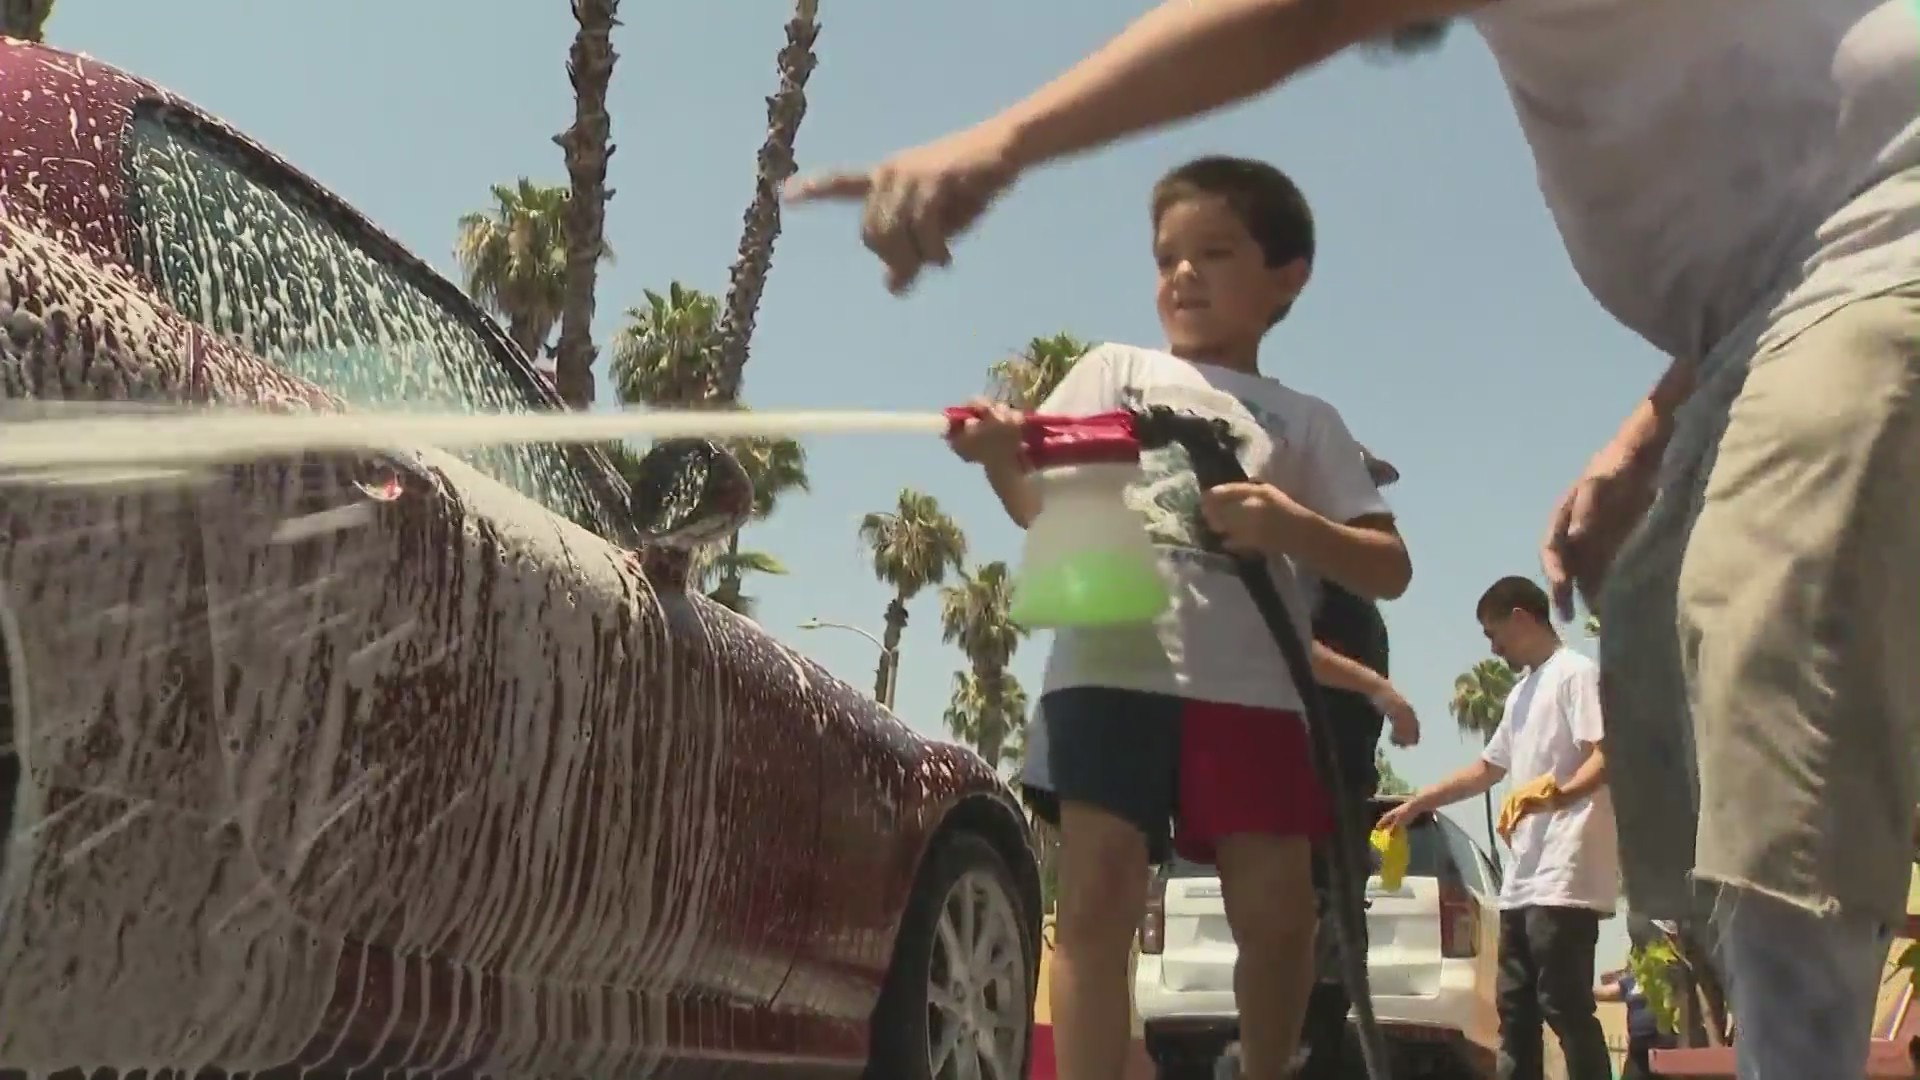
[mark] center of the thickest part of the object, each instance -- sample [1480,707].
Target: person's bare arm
[1473,779]
[1588,777]
[1010,482]
[1365,554]
[1188,57]
[1344,673]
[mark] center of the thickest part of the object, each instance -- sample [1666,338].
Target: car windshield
[263,266]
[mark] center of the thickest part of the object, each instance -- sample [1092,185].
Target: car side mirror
[688,493]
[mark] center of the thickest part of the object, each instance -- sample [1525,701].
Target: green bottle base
[1089,588]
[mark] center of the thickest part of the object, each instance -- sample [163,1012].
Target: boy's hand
[1252,519]
[1403,724]
[994,437]
[1399,816]
[1541,794]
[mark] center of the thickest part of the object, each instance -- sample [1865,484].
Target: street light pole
[888,657]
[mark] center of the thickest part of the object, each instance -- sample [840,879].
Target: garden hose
[1211,448]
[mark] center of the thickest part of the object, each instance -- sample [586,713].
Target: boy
[1195,718]
[1564,877]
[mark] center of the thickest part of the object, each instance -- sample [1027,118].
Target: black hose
[1211,449]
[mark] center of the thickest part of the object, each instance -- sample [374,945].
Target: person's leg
[1111,760]
[1562,941]
[1806,1009]
[1797,601]
[1249,797]
[1522,1056]
[1639,1062]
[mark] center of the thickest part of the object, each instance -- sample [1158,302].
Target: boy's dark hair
[1510,593]
[1262,197]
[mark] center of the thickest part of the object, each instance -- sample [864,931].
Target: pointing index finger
[833,185]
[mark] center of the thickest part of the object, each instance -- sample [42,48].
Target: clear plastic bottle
[1087,560]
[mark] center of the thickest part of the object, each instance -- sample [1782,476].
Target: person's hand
[1542,793]
[1403,725]
[1399,815]
[916,202]
[1251,519]
[993,436]
[1591,521]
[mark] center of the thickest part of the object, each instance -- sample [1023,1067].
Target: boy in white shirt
[1187,734]
[1564,876]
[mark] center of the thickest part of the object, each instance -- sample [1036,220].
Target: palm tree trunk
[993,722]
[25,19]
[785,109]
[890,651]
[587,145]
[527,335]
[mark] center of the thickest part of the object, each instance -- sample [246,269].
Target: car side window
[1466,858]
[259,263]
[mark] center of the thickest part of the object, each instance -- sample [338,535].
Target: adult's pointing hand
[915,203]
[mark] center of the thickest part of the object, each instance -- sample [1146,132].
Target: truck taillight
[1459,921]
[1153,924]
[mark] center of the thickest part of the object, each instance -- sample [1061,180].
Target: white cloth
[1211,645]
[1708,161]
[1570,857]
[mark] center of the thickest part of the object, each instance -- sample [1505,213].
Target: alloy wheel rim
[977,985]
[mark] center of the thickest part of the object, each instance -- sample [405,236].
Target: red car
[404,760]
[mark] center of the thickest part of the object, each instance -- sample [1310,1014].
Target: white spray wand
[164,438]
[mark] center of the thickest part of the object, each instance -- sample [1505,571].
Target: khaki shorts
[1761,649]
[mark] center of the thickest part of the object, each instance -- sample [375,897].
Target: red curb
[1139,1066]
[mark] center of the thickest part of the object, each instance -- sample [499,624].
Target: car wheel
[958,1003]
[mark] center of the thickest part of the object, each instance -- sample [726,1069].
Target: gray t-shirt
[1709,162]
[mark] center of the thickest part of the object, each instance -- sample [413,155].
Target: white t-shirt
[1712,162]
[1568,858]
[1211,645]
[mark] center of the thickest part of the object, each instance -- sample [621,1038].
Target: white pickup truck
[1431,955]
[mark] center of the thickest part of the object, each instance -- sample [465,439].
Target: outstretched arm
[1187,57]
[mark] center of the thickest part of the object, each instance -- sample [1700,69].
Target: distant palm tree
[25,19]
[748,278]
[721,573]
[979,717]
[913,546]
[586,145]
[663,355]
[776,467]
[974,615]
[1479,701]
[1390,782]
[1026,379]
[514,258]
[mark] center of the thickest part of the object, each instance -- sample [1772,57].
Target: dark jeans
[1546,976]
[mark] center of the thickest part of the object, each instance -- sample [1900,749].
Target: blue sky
[1443,318]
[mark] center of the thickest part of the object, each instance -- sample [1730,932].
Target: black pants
[1546,977]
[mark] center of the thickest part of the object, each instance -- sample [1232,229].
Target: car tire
[932,1007]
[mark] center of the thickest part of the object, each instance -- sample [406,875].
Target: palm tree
[1390,782]
[747,281]
[721,573]
[1026,379]
[776,466]
[663,355]
[514,258]
[979,717]
[25,19]
[1479,701]
[587,145]
[913,546]
[973,615]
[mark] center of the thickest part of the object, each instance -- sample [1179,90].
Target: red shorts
[1187,773]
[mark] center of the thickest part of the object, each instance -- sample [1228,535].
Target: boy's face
[1500,633]
[1215,289]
